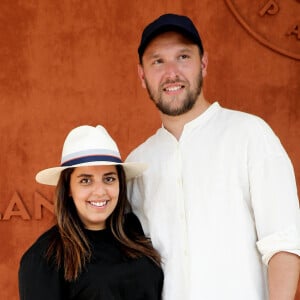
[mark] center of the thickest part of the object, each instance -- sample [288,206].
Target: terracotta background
[65,63]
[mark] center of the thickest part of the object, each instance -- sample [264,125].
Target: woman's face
[95,191]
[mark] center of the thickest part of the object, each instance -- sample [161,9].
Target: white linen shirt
[217,204]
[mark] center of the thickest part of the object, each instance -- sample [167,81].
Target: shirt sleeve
[38,279]
[287,241]
[273,194]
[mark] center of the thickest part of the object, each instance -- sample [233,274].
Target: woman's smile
[95,192]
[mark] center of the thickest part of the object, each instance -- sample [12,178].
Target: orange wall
[67,63]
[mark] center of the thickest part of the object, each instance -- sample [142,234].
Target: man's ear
[141,75]
[204,63]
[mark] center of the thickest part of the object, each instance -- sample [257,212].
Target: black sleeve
[38,279]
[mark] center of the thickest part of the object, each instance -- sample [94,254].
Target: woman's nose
[99,189]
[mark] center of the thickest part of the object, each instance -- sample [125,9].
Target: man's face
[172,74]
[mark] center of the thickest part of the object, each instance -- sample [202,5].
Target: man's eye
[183,56]
[157,62]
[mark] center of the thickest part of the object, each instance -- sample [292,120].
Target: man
[219,199]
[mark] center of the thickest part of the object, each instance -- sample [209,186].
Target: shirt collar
[200,120]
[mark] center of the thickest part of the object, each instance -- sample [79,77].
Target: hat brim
[51,176]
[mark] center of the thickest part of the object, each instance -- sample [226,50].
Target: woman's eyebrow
[90,175]
[84,175]
[110,173]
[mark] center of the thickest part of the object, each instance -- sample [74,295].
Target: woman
[97,249]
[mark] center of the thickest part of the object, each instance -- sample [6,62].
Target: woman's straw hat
[89,146]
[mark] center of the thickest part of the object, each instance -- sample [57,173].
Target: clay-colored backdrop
[65,63]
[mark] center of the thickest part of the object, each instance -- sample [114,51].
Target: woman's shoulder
[132,224]
[40,246]
[39,277]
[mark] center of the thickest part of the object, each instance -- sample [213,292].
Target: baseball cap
[169,22]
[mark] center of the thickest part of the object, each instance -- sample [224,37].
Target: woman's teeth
[98,204]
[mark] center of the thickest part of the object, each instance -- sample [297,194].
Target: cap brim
[51,176]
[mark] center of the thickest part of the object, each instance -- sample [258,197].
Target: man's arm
[283,276]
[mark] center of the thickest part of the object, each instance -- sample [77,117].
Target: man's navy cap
[169,22]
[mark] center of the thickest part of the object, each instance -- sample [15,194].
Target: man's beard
[187,103]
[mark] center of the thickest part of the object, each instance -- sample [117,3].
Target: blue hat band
[91,158]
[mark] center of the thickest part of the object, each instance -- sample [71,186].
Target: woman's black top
[108,276]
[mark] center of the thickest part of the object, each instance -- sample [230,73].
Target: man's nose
[171,70]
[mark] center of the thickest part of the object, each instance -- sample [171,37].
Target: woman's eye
[85,181]
[110,179]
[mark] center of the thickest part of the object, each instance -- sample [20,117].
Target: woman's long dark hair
[71,250]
